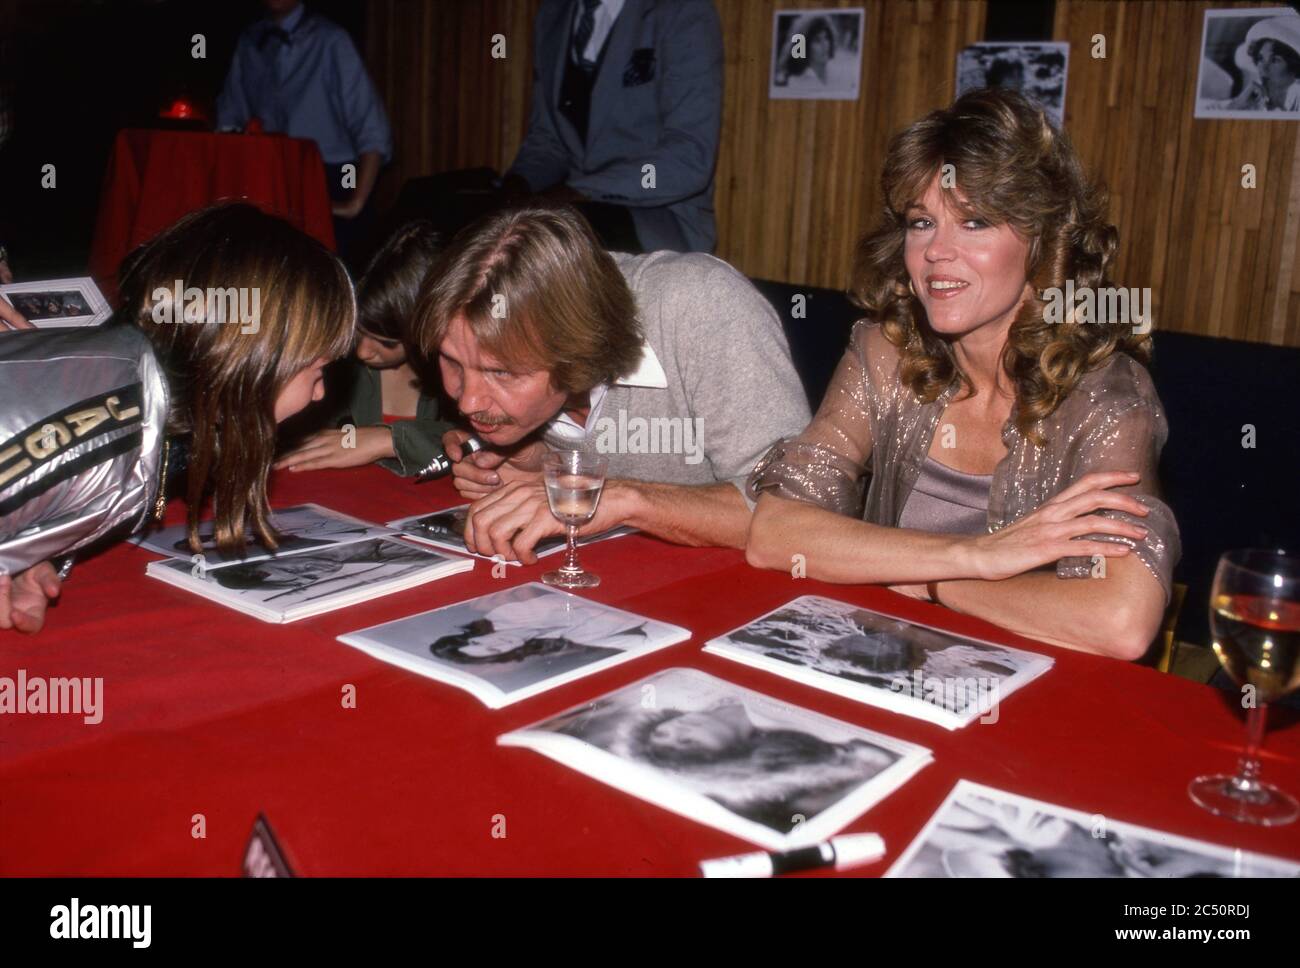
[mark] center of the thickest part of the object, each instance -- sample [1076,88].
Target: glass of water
[574,481]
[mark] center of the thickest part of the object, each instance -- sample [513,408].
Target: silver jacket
[82,420]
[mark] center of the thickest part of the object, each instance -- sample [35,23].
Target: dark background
[79,70]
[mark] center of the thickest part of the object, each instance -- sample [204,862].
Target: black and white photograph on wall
[58,303]
[979,831]
[1037,71]
[1250,65]
[817,54]
[508,645]
[775,774]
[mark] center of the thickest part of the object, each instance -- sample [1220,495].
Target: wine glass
[574,481]
[1255,618]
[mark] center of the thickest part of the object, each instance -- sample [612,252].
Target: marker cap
[853,850]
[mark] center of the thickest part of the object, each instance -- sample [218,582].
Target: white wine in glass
[574,481]
[1255,619]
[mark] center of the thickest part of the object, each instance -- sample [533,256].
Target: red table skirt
[155,177]
[211,713]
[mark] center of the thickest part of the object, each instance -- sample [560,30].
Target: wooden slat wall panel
[1220,259]
[452,105]
[797,182]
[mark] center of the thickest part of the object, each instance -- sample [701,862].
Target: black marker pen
[441,463]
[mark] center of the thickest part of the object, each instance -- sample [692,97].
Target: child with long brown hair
[387,412]
[225,323]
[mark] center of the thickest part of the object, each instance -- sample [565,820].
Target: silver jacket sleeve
[82,420]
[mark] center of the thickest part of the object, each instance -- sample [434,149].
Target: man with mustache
[672,365]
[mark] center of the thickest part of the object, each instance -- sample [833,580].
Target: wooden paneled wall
[1220,259]
[797,182]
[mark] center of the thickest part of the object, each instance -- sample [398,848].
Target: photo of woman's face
[966,273]
[1272,66]
[819,47]
[692,733]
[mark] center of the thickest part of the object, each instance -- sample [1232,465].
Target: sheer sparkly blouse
[1111,421]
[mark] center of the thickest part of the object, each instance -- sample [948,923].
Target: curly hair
[1011,168]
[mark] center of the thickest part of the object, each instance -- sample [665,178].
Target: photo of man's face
[502,404]
[494,644]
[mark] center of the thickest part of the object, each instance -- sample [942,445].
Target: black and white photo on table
[289,587]
[920,671]
[508,645]
[720,754]
[301,527]
[446,529]
[979,831]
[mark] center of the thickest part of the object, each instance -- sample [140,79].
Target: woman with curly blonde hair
[1006,453]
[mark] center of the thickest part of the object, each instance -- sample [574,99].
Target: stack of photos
[446,529]
[982,832]
[285,588]
[325,560]
[862,655]
[762,770]
[512,644]
[58,303]
[302,527]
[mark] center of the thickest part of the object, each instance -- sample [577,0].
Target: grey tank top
[947,501]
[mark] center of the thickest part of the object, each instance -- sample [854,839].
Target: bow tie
[275,33]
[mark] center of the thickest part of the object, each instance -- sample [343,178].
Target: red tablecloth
[214,713]
[155,177]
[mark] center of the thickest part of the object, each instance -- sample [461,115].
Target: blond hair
[538,292]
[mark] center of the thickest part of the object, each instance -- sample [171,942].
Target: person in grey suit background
[618,85]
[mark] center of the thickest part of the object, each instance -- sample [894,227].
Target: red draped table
[155,177]
[209,712]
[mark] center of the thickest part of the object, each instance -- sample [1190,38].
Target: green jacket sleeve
[415,441]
